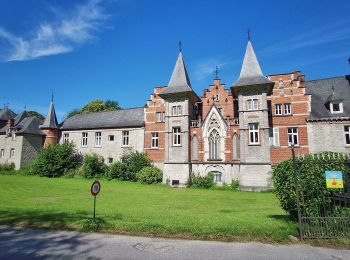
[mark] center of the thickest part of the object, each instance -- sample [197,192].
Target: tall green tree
[96,105]
[36,114]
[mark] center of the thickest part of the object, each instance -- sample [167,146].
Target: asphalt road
[23,243]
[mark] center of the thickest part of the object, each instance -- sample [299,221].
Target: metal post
[94,208]
[301,233]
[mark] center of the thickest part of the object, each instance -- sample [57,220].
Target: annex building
[237,132]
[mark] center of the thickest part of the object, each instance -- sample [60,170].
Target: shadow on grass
[27,243]
[285,218]
[35,218]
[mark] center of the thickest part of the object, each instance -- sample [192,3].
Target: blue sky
[121,49]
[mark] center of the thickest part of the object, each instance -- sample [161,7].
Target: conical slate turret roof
[179,81]
[51,119]
[251,73]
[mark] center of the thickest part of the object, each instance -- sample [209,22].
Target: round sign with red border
[95,188]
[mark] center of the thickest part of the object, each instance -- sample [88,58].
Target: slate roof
[322,93]
[51,119]
[251,73]
[25,124]
[179,81]
[133,117]
[6,114]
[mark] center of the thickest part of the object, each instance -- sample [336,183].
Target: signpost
[334,180]
[95,189]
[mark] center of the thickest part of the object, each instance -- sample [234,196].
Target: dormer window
[336,107]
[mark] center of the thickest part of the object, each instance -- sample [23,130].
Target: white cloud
[67,31]
[205,68]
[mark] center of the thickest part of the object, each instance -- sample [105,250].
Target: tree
[36,114]
[96,105]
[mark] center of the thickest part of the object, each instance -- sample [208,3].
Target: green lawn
[141,209]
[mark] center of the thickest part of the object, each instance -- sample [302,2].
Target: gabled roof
[133,117]
[6,114]
[25,124]
[322,93]
[51,119]
[179,81]
[251,73]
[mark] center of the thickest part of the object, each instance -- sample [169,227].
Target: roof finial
[180,46]
[52,96]
[248,31]
[216,72]
[25,107]
[333,89]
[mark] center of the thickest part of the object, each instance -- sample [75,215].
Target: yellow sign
[334,180]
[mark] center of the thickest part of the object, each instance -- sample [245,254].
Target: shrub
[149,175]
[234,184]
[202,182]
[53,160]
[134,161]
[7,167]
[93,166]
[118,170]
[311,182]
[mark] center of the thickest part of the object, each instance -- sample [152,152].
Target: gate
[323,212]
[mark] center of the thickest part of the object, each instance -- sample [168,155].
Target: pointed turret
[50,126]
[179,81]
[251,73]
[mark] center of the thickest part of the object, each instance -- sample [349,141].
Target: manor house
[239,132]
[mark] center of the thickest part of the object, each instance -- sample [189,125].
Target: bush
[134,161]
[93,166]
[202,182]
[53,160]
[118,170]
[7,167]
[311,182]
[149,175]
[234,184]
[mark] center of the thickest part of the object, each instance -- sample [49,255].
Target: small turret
[50,126]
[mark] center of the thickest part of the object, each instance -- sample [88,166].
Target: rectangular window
[278,109]
[347,134]
[155,140]
[158,117]
[287,109]
[252,104]
[254,133]
[176,110]
[217,177]
[179,110]
[2,153]
[216,97]
[274,136]
[98,137]
[293,136]
[13,136]
[336,107]
[84,139]
[65,138]
[163,116]
[111,138]
[12,153]
[125,138]
[110,160]
[176,136]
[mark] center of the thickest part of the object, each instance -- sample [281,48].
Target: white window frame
[274,137]
[110,138]
[347,135]
[12,152]
[177,136]
[331,106]
[214,141]
[216,97]
[292,133]
[217,177]
[287,108]
[2,153]
[159,117]
[84,139]
[125,138]
[13,135]
[252,104]
[254,136]
[65,138]
[179,110]
[278,109]
[174,110]
[98,139]
[154,140]
[255,104]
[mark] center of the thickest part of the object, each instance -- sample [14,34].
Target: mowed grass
[134,208]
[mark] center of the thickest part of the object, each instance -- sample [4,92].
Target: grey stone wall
[7,143]
[327,136]
[30,148]
[108,149]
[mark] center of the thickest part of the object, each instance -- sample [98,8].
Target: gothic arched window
[235,147]
[214,145]
[195,148]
